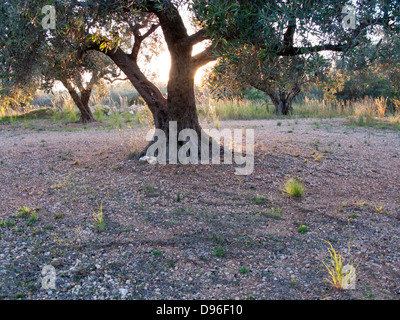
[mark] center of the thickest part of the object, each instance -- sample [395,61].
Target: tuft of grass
[243,270]
[18,230]
[274,213]
[98,115]
[368,293]
[67,114]
[150,191]
[157,253]
[219,252]
[34,217]
[22,212]
[7,223]
[259,199]
[294,187]
[353,216]
[170,263]
[340,277]
[237,110]
[99,219]
[116,120]
[58,215]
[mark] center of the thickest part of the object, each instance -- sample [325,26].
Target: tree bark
[180,105]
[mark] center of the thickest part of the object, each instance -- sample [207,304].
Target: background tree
[281,78]
[374,73]
[19,41]
[79,75]
[52,58]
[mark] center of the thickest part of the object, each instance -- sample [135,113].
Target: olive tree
[281,78]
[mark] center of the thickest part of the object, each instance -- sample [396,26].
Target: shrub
[302,229]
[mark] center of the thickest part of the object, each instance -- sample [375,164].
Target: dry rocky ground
[196,232]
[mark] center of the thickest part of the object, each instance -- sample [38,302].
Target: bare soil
[212,241]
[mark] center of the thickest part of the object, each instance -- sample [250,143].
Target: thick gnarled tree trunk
[180,104]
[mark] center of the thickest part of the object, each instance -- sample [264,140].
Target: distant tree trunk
[282,103]
[82,102]
[282,100]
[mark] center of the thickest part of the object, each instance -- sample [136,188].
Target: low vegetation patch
[294,187]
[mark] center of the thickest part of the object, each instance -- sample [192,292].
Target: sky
[162,63]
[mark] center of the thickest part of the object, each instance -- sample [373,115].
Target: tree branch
[195,38]
[356,33]
[109,80]
[294,51]
[204,57]
[140,38]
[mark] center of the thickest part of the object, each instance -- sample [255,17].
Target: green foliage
[259,199]
[235,109]
[58,215]
[302,229]
[99,115]
[272,46]
[150,191]
[243,270]
[335,269]
[50,58]
[7,223]
[22,212]
[34,217]
[219,252]
[157,253]
[374,71]
[274,213]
